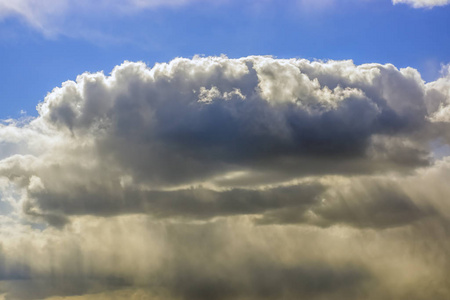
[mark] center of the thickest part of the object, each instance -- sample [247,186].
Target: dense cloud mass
[218,178]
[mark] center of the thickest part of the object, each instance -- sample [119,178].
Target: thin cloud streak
[52,18]
[422,3]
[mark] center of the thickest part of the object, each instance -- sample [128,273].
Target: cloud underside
[218,178]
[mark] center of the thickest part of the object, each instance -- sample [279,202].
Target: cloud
[218,178]
[38,14]
[170,264]
[213,128]
[52,17]
[423,3]
[133,256]
[438,95]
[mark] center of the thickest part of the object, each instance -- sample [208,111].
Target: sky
[229,150]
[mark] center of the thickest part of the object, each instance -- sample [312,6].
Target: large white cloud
[218,178]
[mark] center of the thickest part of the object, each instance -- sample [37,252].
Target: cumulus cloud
[218,178]
[213,128]
[438,95]
[423,3]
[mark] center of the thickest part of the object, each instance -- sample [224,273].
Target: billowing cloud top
[208,150]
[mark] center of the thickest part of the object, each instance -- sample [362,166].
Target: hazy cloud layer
[51,17]
[218,178]
[227,259]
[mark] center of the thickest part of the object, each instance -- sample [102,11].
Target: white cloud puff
[423,3]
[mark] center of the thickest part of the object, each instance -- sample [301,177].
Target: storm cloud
[218,178]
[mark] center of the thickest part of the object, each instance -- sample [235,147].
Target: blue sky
[41,49]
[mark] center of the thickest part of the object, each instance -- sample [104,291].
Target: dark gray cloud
[196,203]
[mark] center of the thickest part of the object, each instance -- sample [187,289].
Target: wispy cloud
[54,18]
[422,3]
[50,17]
